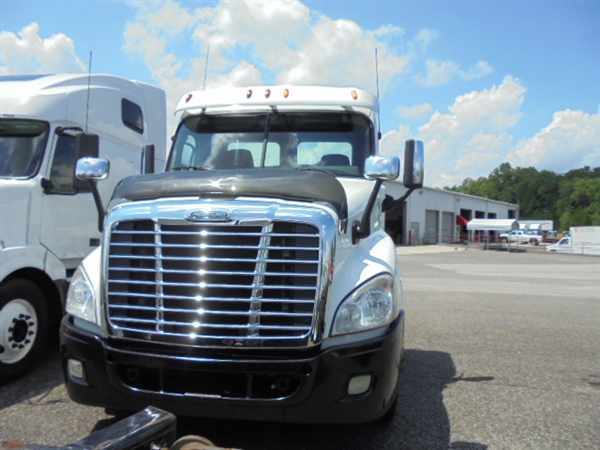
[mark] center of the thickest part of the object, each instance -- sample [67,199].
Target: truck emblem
[217,215]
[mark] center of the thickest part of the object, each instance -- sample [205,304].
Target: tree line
[570,199]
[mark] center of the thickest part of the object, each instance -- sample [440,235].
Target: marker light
[286,93]
[267,93]
[188,98]
[354,95]
[249,93]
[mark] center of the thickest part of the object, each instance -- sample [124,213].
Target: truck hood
[298,185]
[15,208]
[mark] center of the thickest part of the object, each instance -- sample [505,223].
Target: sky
[480,82]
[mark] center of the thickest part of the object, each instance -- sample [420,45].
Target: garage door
[447,227]
[431,226]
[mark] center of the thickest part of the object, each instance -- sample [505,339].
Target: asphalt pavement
[503,352]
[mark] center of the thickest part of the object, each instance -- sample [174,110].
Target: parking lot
[503,352]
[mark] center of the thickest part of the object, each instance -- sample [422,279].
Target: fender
[34,257]
[354,264]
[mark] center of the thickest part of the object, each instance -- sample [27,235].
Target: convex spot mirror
[92,169]
[382,168]
[414,159]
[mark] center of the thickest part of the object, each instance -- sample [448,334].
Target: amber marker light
[286,93]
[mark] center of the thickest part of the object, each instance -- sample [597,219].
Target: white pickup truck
[253,279]
[521,237]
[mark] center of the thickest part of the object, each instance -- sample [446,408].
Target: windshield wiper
[174,169]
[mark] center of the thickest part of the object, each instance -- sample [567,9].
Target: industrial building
[431,216]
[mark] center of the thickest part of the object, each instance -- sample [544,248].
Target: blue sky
[490,81]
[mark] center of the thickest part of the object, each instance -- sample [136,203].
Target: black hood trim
[295,185]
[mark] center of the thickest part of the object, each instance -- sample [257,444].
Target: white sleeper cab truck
[48,221]
[252,279]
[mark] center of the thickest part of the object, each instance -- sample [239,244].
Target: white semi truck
[48,221]
[252,279]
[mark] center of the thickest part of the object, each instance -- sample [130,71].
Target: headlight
[80,298]
[369,306]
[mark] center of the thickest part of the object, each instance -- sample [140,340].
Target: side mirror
[414,159]
[92,169]
[382,168]
[147,162]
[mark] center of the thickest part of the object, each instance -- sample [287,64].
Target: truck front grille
[213,284]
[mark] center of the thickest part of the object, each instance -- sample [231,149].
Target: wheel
[23,326]
[533,242]
[192,442]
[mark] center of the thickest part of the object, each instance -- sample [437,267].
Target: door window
[62,172]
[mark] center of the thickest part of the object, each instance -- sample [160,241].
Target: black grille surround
[213,284]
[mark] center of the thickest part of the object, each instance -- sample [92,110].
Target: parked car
[253,279]
[521,237]
[49,223]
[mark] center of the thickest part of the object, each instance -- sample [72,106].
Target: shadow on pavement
[421,421]
[34,386]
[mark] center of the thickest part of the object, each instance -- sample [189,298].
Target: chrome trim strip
[201,246]
[209,311]
[158,277]
[215,272]
[216,233]
[208,325]
[258,281]
[213,285]
[210,336]
[208,299]
[202,259]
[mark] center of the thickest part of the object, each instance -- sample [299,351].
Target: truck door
[69,218]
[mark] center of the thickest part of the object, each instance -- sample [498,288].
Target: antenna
[206,66]
[87,104]
[377,82]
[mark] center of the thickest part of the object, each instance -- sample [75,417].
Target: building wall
[423,205]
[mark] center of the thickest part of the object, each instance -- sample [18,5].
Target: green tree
[570,199]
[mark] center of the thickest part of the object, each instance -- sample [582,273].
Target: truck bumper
[302,386]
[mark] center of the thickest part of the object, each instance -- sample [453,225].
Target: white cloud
[438,73]
[426,36]
[392,142]
[414,112]
[281,40]
[28,52]
[471,138]
[572,139]
[341,52]
[475,135]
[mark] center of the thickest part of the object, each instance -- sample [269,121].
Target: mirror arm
[99,205]
[396,203]
[362,229]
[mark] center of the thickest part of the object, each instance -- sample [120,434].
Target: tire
[23,327]
[534,242]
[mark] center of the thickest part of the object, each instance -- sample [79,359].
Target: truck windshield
[335,142]
[22,145]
